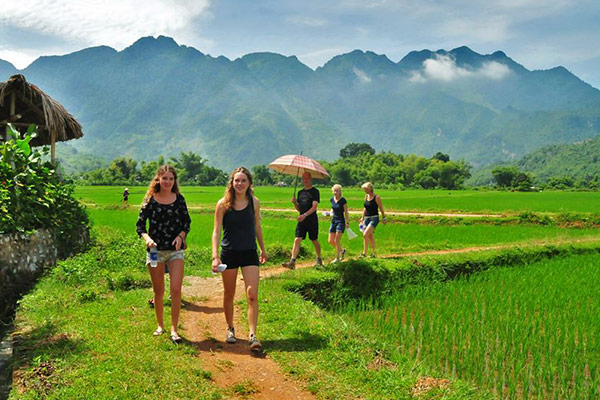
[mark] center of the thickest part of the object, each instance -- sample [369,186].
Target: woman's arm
[258,228]
[140,226]
[346,214]
[218,225]
[378,201]
[179,240]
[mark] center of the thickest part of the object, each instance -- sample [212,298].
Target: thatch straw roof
[32,106]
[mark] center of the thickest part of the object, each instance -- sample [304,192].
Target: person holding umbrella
[306,205]
[307,202]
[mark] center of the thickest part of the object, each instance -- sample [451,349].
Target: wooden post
[13,101]
[52,142]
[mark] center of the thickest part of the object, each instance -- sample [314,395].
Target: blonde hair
[154,186]
[336,187]
[367,185]
[230,192]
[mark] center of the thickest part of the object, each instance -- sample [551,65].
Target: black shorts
[239,258]
[310,225]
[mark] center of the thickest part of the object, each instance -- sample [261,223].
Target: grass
[83,331]
[465,201]
[528,332]
[97,345]
[392,238]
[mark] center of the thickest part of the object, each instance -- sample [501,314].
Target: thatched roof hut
[23,104]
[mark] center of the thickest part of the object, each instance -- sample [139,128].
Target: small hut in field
[23,104]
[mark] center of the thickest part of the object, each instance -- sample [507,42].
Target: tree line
[191,170]
[358,163]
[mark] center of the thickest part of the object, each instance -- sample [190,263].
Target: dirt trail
[230,364]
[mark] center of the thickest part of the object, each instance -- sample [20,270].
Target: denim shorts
[337,225]
[372,221]
[166,256]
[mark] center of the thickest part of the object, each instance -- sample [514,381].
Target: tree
[354,149]
[122,168]
[262,175]
[441,156]
[504,176]
[342,174]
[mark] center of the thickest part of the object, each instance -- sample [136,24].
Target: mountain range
[160,98]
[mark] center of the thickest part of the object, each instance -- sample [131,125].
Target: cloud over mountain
[443,67]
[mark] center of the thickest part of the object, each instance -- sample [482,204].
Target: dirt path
[233,364]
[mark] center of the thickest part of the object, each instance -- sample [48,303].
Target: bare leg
[331,238]
[367,236]
[251,276]
[371,238]
[296,248]
[338,245]
[176,280]
[229,281]
[317,247]
[157,275]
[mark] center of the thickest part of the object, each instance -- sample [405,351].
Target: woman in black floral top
[170,221]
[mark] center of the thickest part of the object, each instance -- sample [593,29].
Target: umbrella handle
[296,181]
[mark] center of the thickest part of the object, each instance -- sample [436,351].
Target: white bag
[351,234]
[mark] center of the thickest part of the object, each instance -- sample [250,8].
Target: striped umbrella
[297,165]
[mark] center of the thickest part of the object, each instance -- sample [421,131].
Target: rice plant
[528,332]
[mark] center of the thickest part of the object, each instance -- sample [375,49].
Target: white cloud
[493,70]
[361,75]
[116,23]
[444,68]
[20,59]
[308,21]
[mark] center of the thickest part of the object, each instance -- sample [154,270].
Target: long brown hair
[154,186]
[230,192]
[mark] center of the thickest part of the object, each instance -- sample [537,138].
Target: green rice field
[462,201]
[527,332]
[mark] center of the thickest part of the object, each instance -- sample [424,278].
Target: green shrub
[33,196]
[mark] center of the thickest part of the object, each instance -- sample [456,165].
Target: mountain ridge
[157,96]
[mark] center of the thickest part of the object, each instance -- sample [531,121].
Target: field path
[233,364]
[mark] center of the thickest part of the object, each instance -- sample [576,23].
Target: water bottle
[153,256]
[220,268]
[361,226]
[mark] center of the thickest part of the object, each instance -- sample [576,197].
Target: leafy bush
[33,196]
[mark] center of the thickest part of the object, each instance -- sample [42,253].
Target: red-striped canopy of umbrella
[297,165]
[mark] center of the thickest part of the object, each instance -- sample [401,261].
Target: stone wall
[23,257]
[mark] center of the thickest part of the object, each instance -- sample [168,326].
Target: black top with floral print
[166,221]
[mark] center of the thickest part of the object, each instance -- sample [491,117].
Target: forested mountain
[157,97]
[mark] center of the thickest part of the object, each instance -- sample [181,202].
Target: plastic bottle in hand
[153,256]
[220,268]
[361,226]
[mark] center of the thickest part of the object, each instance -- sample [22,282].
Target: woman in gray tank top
[238,215]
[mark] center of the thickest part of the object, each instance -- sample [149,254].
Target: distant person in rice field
[237,214]
[370,218]
[306,205]
[340,220]
[126,196]
[169,225]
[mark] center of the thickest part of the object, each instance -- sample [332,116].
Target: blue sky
[536,33]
